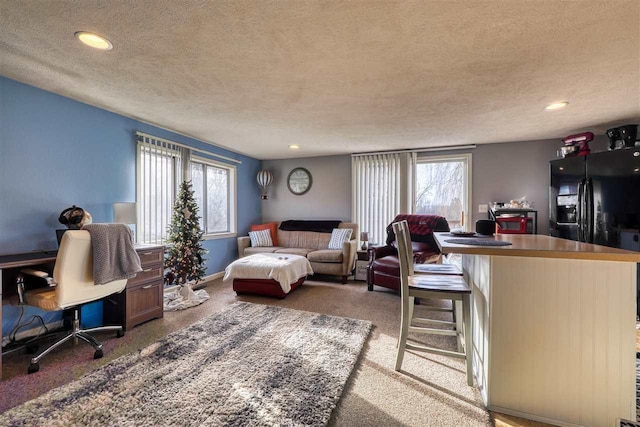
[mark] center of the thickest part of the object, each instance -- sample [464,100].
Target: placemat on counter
[478,241]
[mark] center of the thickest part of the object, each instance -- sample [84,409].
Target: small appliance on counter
[515,217]
[623,137]
[485,227]
[576,145]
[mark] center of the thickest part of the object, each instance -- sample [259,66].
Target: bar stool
[438,269]
[444,287]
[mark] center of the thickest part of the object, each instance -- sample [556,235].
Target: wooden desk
[14,263]
[142,299]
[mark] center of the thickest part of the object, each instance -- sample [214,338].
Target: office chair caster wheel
[120,333]
[31,348]
[33,367]
[98,354]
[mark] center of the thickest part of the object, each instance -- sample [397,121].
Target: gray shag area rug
[250,365]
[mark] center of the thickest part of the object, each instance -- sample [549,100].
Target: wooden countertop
[539,246]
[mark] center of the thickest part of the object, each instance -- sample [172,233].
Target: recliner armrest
[376,252]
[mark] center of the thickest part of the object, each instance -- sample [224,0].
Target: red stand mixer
[576,145]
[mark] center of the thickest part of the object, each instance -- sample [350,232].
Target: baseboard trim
[201,284]
[531,417]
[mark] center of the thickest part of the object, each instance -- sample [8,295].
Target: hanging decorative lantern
[264,178]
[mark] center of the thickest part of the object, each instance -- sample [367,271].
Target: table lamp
[364,237]
[125,213]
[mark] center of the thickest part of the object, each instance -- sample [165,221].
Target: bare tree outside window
[217,199]
[211,192]
[440,190]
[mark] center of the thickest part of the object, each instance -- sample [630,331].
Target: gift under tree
[185,258]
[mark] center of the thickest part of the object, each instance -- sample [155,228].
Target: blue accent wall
[56,152]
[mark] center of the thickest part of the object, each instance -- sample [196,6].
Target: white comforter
[283,268]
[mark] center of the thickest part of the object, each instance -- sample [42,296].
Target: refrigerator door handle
[580,214]
[588,196]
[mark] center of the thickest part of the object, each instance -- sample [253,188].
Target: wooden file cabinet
[142,299]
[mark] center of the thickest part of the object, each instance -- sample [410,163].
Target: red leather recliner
[384,265]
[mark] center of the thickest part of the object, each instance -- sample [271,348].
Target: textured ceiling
[337,76]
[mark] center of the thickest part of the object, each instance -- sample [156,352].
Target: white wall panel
[554,339]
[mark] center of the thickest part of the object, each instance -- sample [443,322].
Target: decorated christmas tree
[184,260]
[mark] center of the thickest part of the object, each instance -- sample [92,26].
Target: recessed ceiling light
[94,40]
[294,146]
[556,105]
[636,170]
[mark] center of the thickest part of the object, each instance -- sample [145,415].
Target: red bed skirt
[267,287]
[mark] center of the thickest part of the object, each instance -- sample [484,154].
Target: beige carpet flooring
[430,391]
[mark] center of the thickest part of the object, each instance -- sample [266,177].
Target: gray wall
[329,197]
[501,172]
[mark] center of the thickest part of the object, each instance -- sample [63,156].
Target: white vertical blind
[376,192]
[159,172]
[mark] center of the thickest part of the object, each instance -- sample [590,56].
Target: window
[159,165]
[442,187]
[214,188]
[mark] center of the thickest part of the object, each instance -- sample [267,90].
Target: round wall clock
[299,181]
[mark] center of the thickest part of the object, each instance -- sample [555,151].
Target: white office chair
[74,286]
[445,287]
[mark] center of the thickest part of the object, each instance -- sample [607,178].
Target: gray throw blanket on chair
[114,257]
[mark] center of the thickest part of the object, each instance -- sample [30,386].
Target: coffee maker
[622,137]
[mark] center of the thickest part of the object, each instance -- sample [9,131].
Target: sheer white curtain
[376,181]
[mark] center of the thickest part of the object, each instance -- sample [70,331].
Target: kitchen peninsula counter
[539,246]
[553,327]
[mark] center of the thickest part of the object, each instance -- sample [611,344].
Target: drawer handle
[148,286]
[146,270]
[147,253]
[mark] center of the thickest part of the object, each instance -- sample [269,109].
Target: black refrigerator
[596,199]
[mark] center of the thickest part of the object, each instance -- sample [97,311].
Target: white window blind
[159,172]
[376,192]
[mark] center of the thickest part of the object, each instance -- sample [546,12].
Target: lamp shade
[125,213]
[264,178]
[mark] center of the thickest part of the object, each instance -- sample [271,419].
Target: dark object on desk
[384,268]
[478,242]
[74,287]
[59,234]
[74,217]
[485,227]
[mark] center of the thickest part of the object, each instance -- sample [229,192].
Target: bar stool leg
[404,331]
[412,302]
[468,346]
[457,318]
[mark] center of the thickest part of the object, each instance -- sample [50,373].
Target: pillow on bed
[338,237]
[261,238]
[272,227]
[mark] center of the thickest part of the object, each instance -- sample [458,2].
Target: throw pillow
[272,227]
[261,238]
[338,237]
